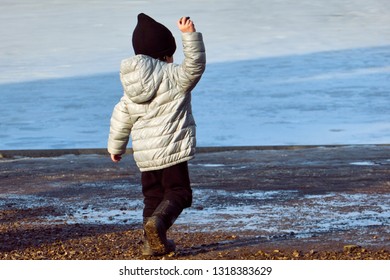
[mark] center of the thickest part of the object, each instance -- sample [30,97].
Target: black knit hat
[152,38]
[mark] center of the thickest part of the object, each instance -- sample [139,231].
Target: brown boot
[155,240]
[156,227]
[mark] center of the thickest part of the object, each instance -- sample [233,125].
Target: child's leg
[153,195]
[177,193]
[172,184]
[176,184]
[177,196]
[152,190]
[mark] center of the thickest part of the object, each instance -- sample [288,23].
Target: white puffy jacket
[156,107]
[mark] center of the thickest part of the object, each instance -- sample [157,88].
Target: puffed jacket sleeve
[120,128]
[194,63]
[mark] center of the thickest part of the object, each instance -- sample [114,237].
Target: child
[156,110]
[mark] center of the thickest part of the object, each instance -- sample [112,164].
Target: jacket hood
[141,76]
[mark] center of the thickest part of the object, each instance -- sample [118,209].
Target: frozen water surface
[279,72]
[264,212]
[286,211]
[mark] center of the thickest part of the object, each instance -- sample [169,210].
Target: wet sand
[309,202]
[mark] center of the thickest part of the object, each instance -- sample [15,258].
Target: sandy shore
[249,203]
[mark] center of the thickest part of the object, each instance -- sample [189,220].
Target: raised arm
[194,64]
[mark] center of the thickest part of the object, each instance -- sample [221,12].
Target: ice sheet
[279,72]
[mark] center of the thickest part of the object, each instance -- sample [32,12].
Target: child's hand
[116,158]
[186,25]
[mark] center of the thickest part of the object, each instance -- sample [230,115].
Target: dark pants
[171,183]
